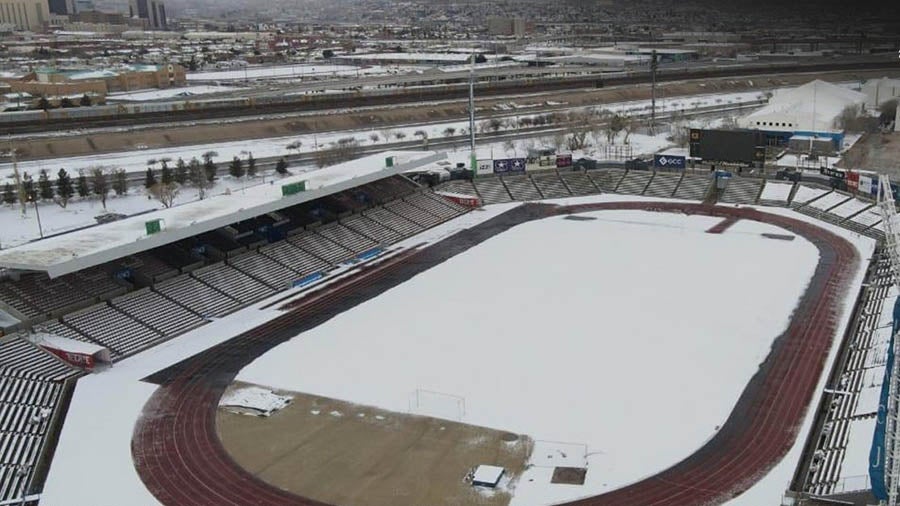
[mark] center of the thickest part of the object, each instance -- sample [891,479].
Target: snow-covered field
[179,93]
[582,339]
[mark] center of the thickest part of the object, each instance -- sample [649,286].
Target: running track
[179,457]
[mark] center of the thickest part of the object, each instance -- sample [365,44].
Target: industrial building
[25,14]
[879,91]
[811,110]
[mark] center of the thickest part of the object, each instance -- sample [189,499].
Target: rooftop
[62,254]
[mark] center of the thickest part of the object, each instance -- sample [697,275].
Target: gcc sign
[669,162]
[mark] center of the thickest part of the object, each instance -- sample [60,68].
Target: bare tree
[100,184]
[399,135]
[449,132]
[165,193]
[374,137]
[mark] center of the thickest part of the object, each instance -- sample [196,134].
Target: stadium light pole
[472,158]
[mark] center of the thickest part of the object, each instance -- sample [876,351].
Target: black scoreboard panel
[738,146]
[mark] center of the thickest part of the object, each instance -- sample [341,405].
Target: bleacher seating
[460,186]
[113,329]
[233,283]
[413,213]
[492,190]
[521,188]
[157,312]
[222,243]
[17,354]
[197,296]
[371,229]
[741,191]
[693,187]
[579,183]
[60,329]
[550,185]
[263,268]
[635,182]
[27,407]
[353,241]
[607,180]
[664,184]
[294,258]
[149,268]
[315,244]
[394,222]
[435,204]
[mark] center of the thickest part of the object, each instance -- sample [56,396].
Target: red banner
[80,360]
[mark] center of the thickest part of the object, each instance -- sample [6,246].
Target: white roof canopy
[85,248]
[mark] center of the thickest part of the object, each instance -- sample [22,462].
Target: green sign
[389,161]
[293,188]
[153,226]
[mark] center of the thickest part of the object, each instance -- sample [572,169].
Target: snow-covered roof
[813,106]
[62,343]
[487,475]
[81,249]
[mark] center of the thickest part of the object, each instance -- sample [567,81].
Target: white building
[879,91]
[810,109]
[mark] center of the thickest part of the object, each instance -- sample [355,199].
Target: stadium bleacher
[522,188]
[550,185]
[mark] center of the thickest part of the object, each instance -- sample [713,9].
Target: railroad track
[179,457]
[424,94]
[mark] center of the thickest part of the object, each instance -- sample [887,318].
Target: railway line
[118,116]
[179,457]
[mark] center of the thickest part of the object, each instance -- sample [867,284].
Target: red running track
[182,462]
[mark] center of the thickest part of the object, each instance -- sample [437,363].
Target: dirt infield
[344,453]
[385,117]
[181,460]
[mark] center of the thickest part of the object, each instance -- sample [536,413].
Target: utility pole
[653,66]
[19,189]
[473,159]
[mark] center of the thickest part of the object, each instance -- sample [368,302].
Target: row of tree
[98,183]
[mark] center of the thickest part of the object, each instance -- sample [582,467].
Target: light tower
[886,452]
[472,158]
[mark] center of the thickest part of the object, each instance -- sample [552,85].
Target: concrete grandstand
[224,283]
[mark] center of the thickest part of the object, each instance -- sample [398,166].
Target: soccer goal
[437,404]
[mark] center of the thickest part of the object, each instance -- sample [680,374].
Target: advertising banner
[507,165]
[563,161]
[852,180]
[877,452]
[669,162]
[865,185]
[485,167]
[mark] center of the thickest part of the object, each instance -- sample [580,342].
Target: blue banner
[669,162]
[877,455]
[369,254]
[308,279]
[504,165]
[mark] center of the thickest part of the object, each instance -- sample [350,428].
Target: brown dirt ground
[228,130]
[878,152]
[368,456]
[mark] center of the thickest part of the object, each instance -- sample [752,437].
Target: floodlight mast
[888,209]
[472,158]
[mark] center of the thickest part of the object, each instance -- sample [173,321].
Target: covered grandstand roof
[85,248]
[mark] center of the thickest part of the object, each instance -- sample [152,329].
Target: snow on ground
[285,71]
[54,253]
[499,323]
[185,92]
[770,488]
[256,399]
[93,463]
[806,193]
[855,466]
[776,191]
[829,201]
[851,207]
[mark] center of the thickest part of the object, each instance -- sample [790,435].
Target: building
[879,91]
[811,110]
[32,15]
[153,12]
[516,27]
[61,7]
[67,82]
